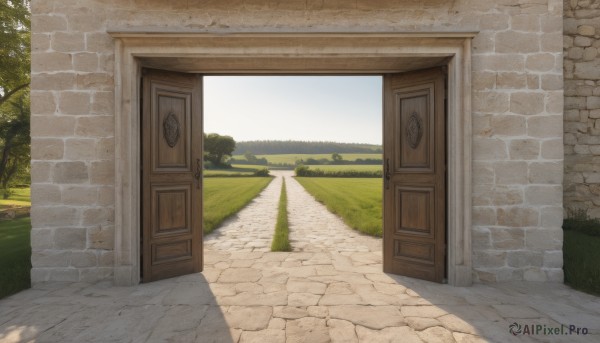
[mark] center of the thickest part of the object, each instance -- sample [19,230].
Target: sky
[309,108]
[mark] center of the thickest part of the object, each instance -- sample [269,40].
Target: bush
[305,171]
[581,252]
[262,172]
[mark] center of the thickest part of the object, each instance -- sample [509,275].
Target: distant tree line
[268,147]
[305,171]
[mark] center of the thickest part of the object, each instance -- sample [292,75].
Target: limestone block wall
[517,116]
[582,106]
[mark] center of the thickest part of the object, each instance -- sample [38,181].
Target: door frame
[323,52]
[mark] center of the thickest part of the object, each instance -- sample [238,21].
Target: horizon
[335,109]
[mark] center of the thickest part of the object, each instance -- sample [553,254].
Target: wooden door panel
[172,206]
[414,151]
[171,192]
[415,190]
[171,134]
[415,211]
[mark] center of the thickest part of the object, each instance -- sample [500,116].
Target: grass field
[15,253]
[291,158]
[19,197]
[236,169]
[225,196]
[281,241]
[357,200]
[359,167]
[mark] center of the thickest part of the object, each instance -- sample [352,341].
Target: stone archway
[290,53]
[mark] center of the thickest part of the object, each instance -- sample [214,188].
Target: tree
[336,157]
[15,148]
[15,54]
[15,63]
[216,147]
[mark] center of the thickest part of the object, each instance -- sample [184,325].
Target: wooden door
[415,180]
[171,174]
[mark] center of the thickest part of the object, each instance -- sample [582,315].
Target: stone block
[551,216]
[544,195]
[483,80]
[524,258]
[79,195]
[64,275]
[489,149]
[103,103]
[80,149]
[77,103]
[511,80]
[517,42]
[508,125]
[106,196]
[101,238]
[47,23]
[552,149]
[527,103]
[85,62]
[99,42]
[483,173]
[518,216]
[490,102]
[106,258]
[503,195]
[51,61]
[42,103]
[53,216]
[542,62]
[527,23]
[507,239]
[586,30]
[524,149]
[70,238]
[53,82]
[52,126]
[550,126]
[97,126]
[98,216]
[589,70]
[510,173]
[102,173]
[541,239]
[47,148]
[483,216]
[546,173]
[582,41]
[534,275]
[82,259]
[41,171]
[105,149]
[489,259]
[68,41]
[553,259]
[45,194]
[71,172]
[95,274]
[481,238]
[42,238]
[50,258]
[95,81]
[500,63]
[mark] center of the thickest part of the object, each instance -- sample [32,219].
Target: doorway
[289,54]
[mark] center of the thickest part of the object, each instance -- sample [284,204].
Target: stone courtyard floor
[331,289]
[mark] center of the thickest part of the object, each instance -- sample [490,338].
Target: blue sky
[313,108]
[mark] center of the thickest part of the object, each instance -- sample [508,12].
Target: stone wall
[582,106]
[517,116]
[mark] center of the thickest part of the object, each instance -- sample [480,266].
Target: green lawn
[291,158]
[241,169]
[224,196]
[357,200]
[15,253]
[281,240]
[19,197]
[358,167]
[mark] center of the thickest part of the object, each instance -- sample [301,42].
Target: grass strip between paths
[225,196]
[281,240]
